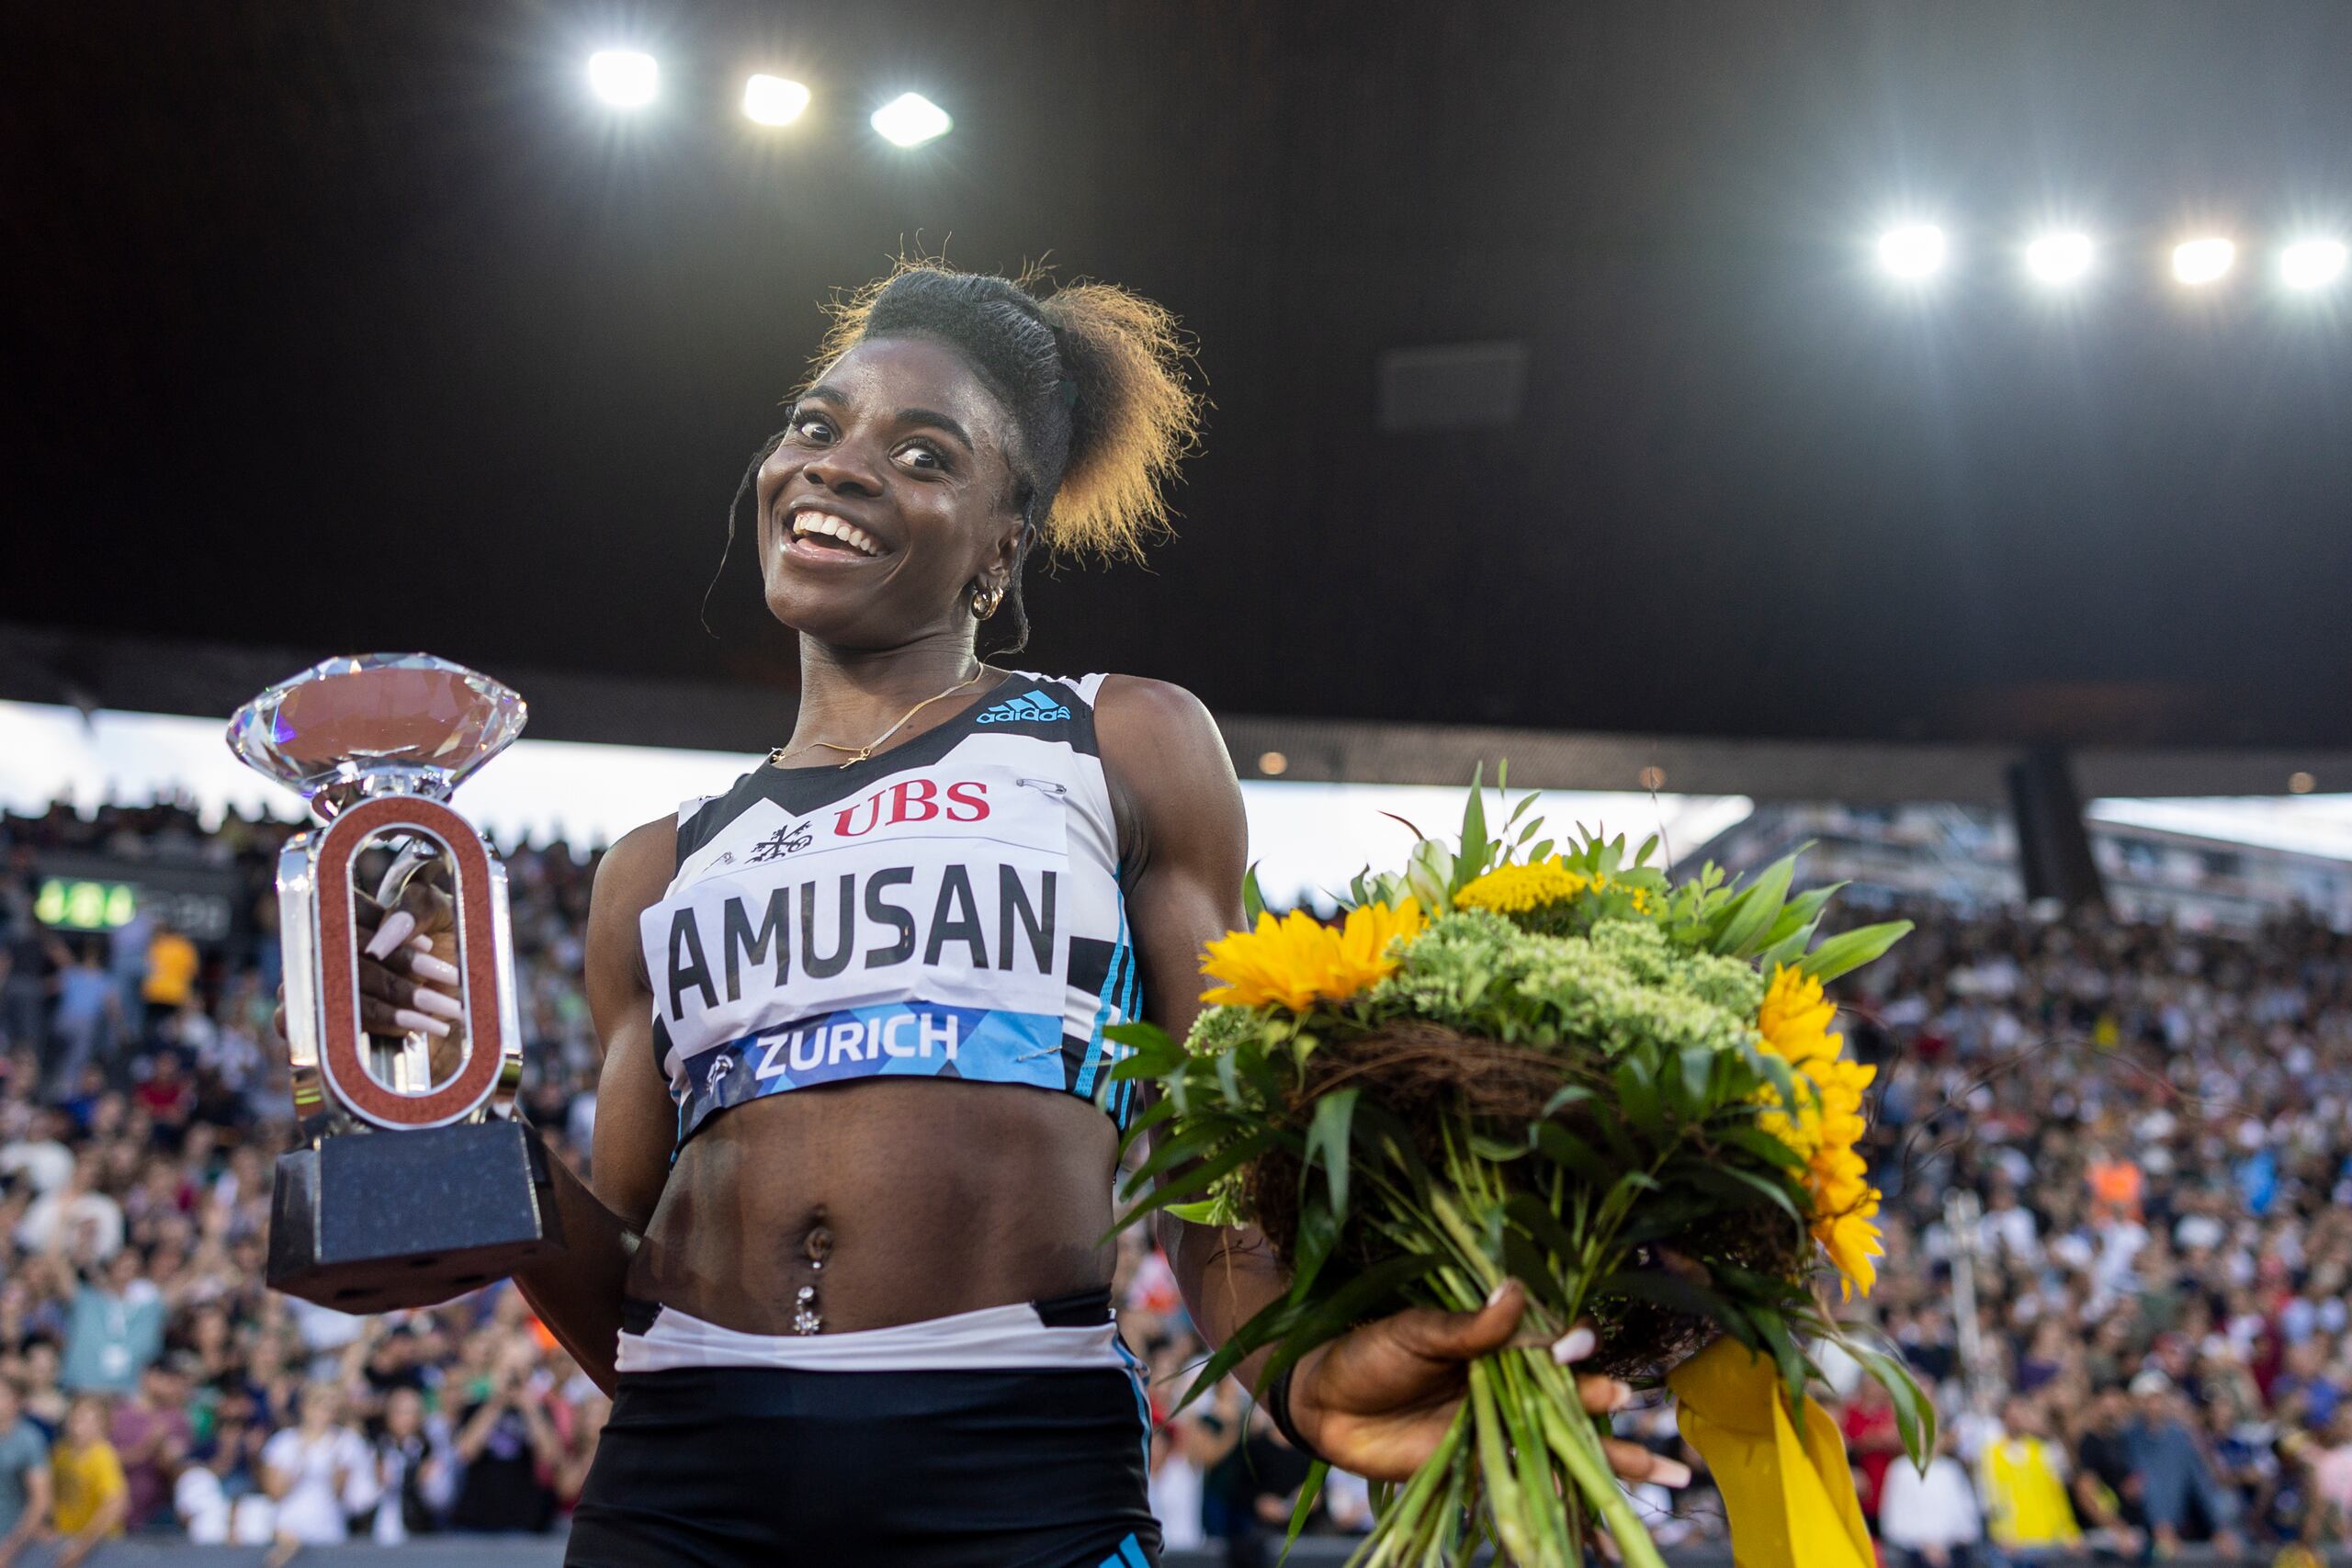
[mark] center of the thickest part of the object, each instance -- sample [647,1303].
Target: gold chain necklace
[859,754]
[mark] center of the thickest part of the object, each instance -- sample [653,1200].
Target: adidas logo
[1034,708]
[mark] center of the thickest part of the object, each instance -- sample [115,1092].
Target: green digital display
[72,904]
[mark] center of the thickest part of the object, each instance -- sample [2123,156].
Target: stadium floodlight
[622,77]
[2060,258]
[774,100]
[1914,251]
[910,119]
[2312,264]
[2205,260]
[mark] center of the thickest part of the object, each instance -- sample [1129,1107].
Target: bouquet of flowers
[1525,1058]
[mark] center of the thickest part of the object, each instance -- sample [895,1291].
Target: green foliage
[1642,995]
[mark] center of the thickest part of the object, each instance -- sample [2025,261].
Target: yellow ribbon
[1789,1494]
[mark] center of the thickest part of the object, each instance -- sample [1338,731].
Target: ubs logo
[914,800]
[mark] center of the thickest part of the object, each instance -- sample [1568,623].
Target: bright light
[774,100]
[1915,251]
[910,119]
[622,77]
[2059,258]
[2203,261]
[2312,264]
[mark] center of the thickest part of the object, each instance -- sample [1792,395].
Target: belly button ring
[807,1318]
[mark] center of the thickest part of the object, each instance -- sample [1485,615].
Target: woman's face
[901,444]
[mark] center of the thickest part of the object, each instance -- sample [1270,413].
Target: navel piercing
[807,1316]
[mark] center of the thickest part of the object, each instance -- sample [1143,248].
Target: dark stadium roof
[359,325]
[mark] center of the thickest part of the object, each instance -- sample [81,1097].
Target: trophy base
[371,1222]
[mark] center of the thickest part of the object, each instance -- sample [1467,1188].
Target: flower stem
[1577,1444]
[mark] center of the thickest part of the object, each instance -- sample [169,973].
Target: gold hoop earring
[985,601]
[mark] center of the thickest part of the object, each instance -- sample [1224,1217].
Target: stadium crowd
[2154,1121]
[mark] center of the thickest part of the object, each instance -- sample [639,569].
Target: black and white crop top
[950,908]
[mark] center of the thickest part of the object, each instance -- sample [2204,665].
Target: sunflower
[1827,1123]
[1297,962]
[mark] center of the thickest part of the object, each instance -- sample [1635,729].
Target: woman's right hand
[408,980]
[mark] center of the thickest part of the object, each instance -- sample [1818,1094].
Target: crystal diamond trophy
[412,1181]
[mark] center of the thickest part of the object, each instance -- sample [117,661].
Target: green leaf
[1664,1217]
[1149,1045]
[1318,1233]
[1525,1261]
[1848,951]
[1569,1152]
[1194,1179]
[1780,1075]
[1757,908]
[1536,1220]
[1373,1289]
[1309,1491]
[1327,1140]
[1791,1362]
[1761,1143]
[1569,1094]
[1200,1213]
[1915,1412]
[1637,1096]
[1253,901]
[1698,1078]
[1502,1152]
[1474,831]
[1744,1188]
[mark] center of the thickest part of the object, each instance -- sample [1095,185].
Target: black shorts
[757,1465]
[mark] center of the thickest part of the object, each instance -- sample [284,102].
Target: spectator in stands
[1930,1520]
[91,1495]
[218,1498]
[309,1470]
[508,1445]
[2179,1493]
[151,1437]
[24,1492]
[2105,1484]
[86,1024]
[170,981]
[2027,1513]
[116,1329]
[413,1470]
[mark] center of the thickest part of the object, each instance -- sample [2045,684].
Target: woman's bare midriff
[924,1197]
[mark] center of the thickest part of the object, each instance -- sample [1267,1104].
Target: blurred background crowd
[2114,1157]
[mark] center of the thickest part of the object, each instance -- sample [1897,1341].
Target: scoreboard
[102,893]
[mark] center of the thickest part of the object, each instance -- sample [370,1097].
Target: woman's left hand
[1377,1400]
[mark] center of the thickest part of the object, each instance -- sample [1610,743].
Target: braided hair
[1092,376]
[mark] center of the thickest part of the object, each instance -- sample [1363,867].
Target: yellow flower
[1297,960]
[1827,1123]
[1516,889]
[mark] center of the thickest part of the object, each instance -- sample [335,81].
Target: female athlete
[855,1140]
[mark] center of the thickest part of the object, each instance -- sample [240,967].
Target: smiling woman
[856,1125]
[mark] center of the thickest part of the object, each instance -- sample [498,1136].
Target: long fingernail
[438,1005]
[1573,1345]
[397,928]
[422,943]
[409,1018]
[1495,1296]
[1669,1473]
[1621,1394]
[440,971]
